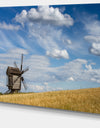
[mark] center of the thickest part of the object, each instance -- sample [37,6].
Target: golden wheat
[84,100]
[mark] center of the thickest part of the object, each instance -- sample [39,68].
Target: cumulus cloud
[72,69]
[92,25]
[89,67]
[95,44]
[92,38]
[58,54]
[40,23]
[9,26]
[46,15]
[21,18]
[70,79]
[95,49]
[42,72]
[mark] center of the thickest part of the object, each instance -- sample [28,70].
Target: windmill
[15,78]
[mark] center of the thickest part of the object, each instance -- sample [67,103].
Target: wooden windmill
[15,77]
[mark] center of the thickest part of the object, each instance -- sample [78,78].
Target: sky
[61,46]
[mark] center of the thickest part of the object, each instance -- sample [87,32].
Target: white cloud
[45,83]
[9,26]
[40,23]
[22,17]
[95,44]
[48,37]
[11,41]
[70,79]
[22,42]
[5,43]
[72,69]
[89,67]
[18,51]
[41,71]
[42,88]
[58,54]
[13,54]
[91,38]
[95,49]
[46,15]
[92,25]
[69,41]
[38,88]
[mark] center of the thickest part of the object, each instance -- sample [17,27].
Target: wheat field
[84,100]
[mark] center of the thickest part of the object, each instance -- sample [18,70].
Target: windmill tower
[15,77]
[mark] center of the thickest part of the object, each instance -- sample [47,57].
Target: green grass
[84,100]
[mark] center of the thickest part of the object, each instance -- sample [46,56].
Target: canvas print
[50,56]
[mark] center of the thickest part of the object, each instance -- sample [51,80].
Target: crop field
[84,100]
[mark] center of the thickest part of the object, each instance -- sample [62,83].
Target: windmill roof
[13,71]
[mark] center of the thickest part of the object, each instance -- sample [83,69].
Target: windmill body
[13,82]
[15,77]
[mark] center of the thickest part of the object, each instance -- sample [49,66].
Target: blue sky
[61,45]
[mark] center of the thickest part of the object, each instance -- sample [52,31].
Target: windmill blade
[25,70]
[24,83]
[21,62]
[15,64]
